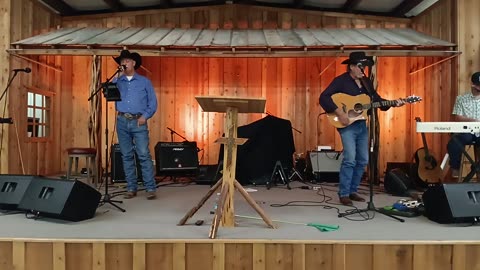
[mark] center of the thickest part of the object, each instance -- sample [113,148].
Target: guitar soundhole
[358,108]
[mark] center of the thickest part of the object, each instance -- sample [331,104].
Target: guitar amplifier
[117,171]
[325,165]
[176,158]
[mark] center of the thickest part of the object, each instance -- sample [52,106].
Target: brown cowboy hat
[359,57]
[126,54]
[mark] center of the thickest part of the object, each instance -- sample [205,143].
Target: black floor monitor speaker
[208,174]
[118,173]
[176,157]
[61,199]
[397,182]
[12,189]
[452,203]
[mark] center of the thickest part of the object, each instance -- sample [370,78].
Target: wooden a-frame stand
[224,214]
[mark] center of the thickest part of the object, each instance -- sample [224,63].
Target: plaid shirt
[467,105]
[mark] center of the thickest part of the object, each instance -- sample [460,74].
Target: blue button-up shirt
[138,96]
[344,84]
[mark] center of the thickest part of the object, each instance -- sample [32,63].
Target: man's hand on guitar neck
[342,117]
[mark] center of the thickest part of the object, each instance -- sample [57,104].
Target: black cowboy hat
[359,57]
[126,54]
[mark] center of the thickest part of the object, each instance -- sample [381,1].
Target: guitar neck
[379,104]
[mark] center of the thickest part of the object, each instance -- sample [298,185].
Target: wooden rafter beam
[404,7]
[114,5]
[58,5]
[350,5]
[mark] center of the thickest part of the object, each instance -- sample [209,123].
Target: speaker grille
[174,157]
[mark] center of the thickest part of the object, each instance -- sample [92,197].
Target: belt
[130,115]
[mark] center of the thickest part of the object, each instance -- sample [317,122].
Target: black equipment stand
[370,204]
[278,170]
[110,93]
[8,120]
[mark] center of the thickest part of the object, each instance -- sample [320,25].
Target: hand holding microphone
[122,67]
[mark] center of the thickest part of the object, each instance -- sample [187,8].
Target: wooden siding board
[290,39]
[188,38]
[272,38]
[420,37]
[359,37]
[307,37]
[376,36]
[45,37]
[342,37]
[222,38]
[121,36]
[239,38]
[107,35]
[324,37]
[205,38]
[78,37]
[172,37]
[256,38]
[138,36]
[155,37]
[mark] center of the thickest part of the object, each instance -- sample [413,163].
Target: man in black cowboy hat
[354,134]
[138,104]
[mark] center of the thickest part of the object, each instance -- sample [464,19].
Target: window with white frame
[38,114]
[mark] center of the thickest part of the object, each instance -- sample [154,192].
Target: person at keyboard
[138,104]
[466,109]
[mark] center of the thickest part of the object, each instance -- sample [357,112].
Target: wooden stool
[89,154]
[465,165]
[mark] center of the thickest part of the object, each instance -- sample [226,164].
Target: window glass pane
[38,114]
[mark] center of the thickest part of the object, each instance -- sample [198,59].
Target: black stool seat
[81,151]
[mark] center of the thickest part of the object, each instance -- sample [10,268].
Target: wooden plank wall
[29,18]
[291,85]
[5,9]
[468,38]
[219,255]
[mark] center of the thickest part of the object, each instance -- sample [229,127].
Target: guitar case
[398,183]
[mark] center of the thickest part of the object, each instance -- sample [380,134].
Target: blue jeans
[132,137]
[455,149]
[355,157]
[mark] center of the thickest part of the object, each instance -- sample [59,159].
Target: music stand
[110,93]
[224,214]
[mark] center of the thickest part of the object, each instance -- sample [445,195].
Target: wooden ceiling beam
[114,5]
[404,7]
[350,5]
[59,6]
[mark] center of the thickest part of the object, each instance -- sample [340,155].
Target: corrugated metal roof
[87,40]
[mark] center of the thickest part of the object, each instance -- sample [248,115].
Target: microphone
[360,66]
[26,70]
[122,67]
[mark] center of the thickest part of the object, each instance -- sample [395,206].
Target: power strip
[316,188]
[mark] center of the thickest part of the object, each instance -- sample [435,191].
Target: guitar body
[429,171]
[351,105]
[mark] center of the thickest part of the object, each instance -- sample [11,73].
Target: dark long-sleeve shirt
[345,84]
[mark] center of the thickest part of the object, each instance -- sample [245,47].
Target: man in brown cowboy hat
[138,104]
[354,134]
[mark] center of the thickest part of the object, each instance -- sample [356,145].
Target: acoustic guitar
[428,170]
[356,107]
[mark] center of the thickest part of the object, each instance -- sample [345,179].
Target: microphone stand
[371,165]
[8,120]
[105,86]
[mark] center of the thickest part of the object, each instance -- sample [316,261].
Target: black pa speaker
[397,182]
[176,157]
[61,199]
[118,173]
[452,203]
[12,189]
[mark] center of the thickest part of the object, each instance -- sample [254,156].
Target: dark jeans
[455,147]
